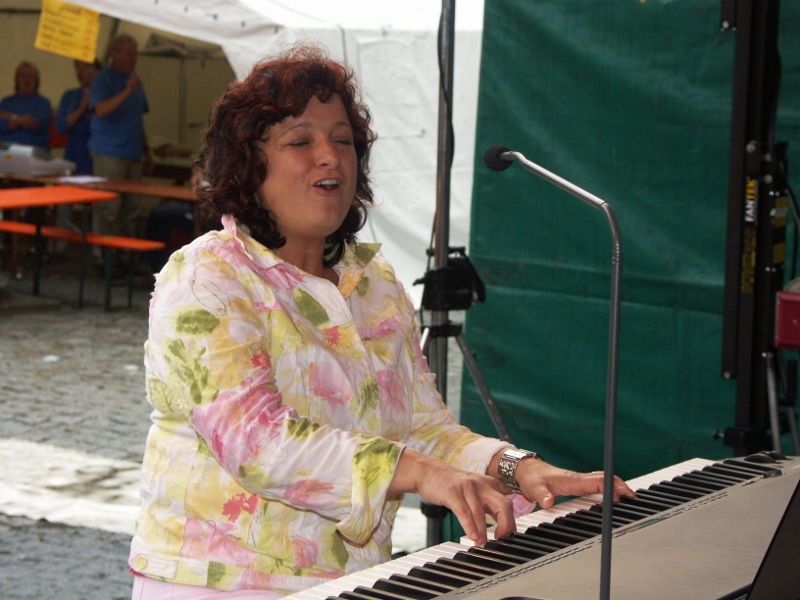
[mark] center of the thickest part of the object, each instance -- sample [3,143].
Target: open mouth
[328,184]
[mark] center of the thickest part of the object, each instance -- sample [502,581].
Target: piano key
[442,569]
[406,588]
[632,512]
[372,593]
[537,543]
[595,517]
[424,583]
[514,547]
[580,524]
[355,595]
[702,480]
[495,555]
[719,477]
[425,572]
[767,470]
[684,489]
[483,561]
[644,502]
[711,481]
[663,495]
[535,536]
[667,473]
[483,569]
[566,534]
[734,471]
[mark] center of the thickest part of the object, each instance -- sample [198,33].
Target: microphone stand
[504,154]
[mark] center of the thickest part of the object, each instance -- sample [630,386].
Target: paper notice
[68,30]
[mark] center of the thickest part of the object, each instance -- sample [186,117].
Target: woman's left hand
[544,482]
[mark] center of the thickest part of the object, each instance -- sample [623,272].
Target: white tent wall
[395,57]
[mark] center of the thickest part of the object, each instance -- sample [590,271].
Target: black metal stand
[454,286]
[443,282]
[756,230]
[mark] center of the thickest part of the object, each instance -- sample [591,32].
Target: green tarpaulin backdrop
[630,100]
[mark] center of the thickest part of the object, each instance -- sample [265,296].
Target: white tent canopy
[393,49]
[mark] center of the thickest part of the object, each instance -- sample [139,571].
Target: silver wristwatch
[507,469]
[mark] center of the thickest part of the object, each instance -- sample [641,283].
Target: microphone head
[493,160]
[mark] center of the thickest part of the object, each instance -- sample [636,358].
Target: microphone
[499,158]
[496,159]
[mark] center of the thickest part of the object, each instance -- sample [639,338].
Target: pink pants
[145,588]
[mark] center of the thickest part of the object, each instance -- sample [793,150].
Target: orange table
[119,186]
[36,197]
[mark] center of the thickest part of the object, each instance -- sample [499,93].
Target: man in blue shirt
[74,117]
[118,142]
[25,116]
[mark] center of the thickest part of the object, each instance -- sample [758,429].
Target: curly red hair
[236,167]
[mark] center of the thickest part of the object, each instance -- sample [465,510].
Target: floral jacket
[281,404]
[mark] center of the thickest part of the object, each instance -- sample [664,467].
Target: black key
[481,561]
[645,503]
[764,469]
[678,500]
[632,512]
[590,527]
[459,571]
[423,582]
[508,547]
[684,489]
[494,554]
[454,581]
[734,471]
[547,531]
[380,594]
[413,585]
[353,595]
[616,520]
[557,528]
[483,570]
[699,483]
[537,542]
[719,477]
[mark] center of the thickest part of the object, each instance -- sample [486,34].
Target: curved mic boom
[494,159]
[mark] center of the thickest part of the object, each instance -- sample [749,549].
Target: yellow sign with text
[68,30]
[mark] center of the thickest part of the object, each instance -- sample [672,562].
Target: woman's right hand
[469,495]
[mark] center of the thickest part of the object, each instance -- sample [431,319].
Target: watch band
[507,467]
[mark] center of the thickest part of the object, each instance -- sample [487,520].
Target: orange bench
[105,241]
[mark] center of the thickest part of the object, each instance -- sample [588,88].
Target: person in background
[292,404]
[25,116]
[73,118]
[117,141]
[174,215]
